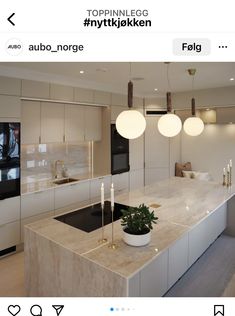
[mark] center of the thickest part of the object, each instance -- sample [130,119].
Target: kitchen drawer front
[96,185]
[32,219]
[178,260]
[121,182]
[71,194]
[9,235]
[9,210]
[153,277]
[37,203]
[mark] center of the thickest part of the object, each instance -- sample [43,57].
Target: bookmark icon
[58,309]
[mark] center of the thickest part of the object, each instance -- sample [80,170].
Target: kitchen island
[61,260]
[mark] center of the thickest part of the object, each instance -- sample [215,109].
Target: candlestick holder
[112,245]
[224,180]
[228,179]
[230,175]
[103,239]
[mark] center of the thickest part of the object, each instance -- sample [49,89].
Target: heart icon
[14,309]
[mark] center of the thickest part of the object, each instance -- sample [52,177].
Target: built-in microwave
[119,152]
[9,159]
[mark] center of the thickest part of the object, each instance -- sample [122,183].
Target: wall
[37,161]
[211,150]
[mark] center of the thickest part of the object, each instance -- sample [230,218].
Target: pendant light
[169,125]
[130,124]
[193,125]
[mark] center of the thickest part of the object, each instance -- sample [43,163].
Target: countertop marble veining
[184,203]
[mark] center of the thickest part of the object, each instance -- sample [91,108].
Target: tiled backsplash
[37,161]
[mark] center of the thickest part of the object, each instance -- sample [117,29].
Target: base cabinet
[206,232]
[178,260]
[72,194]
[153,278]
[9,235]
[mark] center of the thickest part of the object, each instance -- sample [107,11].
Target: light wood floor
[12,275]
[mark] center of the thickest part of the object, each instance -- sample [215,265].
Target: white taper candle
[102,193]
[112,195]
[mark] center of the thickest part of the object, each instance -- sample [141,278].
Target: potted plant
[137,222]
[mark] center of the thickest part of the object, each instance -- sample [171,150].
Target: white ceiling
[114,76]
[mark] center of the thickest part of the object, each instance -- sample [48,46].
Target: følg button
[191,46]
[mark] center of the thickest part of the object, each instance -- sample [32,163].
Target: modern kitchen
[117,179]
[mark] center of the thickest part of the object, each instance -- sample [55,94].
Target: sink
[64,181]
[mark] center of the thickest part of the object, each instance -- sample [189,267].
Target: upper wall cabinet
[35,89]
[93,123]
[119,99]
[30,122]
[9,106]
[74,123]
[48,122]
[59,92]
[10,86]
[52,122]
[83,95]
[101,97]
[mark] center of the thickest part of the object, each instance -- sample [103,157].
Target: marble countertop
[184,203]
[42,185]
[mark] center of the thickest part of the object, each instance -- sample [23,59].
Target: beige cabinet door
[93,123]
[52,122]
[74,123]
[30,122]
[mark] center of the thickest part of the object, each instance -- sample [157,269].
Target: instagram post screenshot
[117,148]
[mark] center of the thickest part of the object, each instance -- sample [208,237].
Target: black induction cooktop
[90,218]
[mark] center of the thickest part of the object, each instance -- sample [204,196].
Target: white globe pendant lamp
[193,126]
[130,124]
[169,125]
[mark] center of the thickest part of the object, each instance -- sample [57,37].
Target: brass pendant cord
[193,105]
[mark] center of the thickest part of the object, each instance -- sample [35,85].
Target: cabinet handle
[39,139]
[64,138]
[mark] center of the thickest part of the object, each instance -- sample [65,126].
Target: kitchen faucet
[56,167]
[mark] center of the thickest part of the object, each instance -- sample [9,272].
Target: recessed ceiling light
[155,89]
[208,109]
[81,71]
[231,79]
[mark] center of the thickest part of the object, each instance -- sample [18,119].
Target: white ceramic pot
[136,240]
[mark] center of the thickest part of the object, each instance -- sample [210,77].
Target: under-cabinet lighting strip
[64,102]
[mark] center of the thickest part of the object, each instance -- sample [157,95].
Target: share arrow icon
[58,309]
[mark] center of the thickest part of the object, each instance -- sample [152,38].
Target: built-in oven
[119,152]
[9,159]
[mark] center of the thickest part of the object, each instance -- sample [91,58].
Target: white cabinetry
[178,260]
[136,179]
[157,149]
[52,122]
[48,122]
[72,194]
[153,277]
[74,123]
[121,182]
[36,203]
[95,185]
[9,222]
[93,123]
[30,120]
[205,233]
